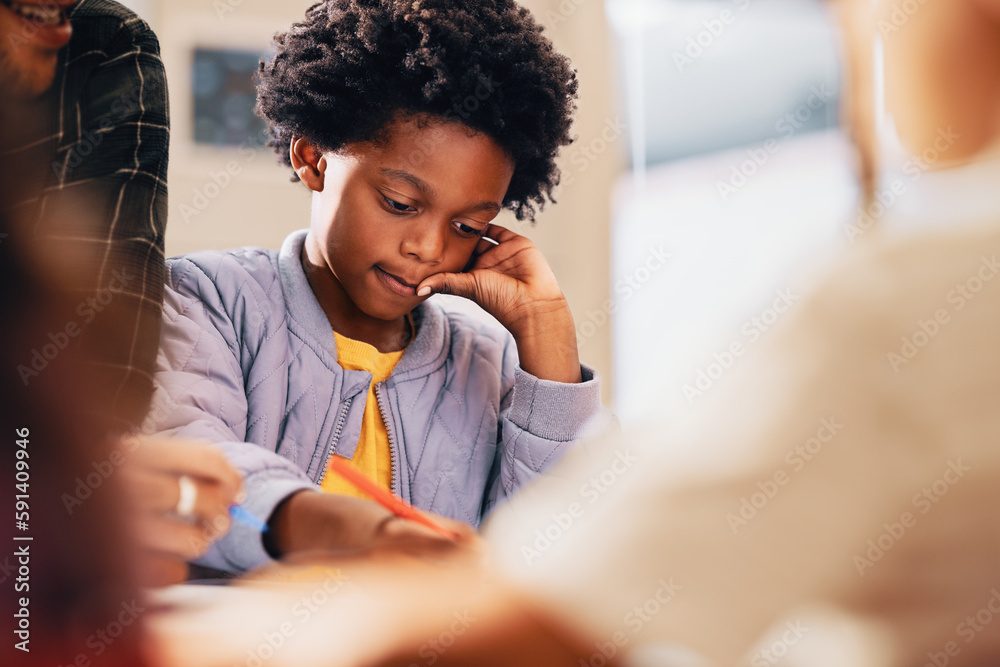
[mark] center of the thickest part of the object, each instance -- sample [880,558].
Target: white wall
[259,206]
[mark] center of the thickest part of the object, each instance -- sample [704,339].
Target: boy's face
[387,216]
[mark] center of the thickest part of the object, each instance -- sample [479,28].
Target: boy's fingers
[483,246]
[499,234]
[458,284]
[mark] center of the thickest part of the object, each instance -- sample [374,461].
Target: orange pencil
[386,499]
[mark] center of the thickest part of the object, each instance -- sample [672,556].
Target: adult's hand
[156,472]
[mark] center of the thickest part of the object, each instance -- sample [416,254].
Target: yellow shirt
[372,456]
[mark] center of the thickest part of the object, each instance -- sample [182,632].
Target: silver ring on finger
[188,496]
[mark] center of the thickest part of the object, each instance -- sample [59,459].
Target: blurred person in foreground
[65,576]
[70,569]
[842,482]
[852,462]
[84,145]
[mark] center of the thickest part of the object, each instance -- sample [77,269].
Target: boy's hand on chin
[513,283]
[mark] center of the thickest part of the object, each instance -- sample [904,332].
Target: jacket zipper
[396,483]
[337,428]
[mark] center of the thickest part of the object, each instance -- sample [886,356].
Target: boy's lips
[395,283]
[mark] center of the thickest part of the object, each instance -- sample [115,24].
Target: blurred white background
[738,170]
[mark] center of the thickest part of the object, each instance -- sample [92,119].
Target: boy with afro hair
[413,123]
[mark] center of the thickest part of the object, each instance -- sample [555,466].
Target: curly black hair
[351,67]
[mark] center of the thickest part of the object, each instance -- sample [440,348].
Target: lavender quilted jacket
[248,361]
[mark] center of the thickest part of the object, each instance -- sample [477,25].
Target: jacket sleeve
[539,422]
[200,395]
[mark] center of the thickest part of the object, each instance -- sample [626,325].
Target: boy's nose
[425,241]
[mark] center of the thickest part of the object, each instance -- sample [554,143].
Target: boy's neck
[346,318]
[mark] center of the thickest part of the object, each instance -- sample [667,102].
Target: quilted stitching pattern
[284,384]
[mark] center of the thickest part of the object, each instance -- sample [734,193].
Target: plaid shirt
[105,144]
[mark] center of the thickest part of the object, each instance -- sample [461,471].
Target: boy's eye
[397,206]
[467,230]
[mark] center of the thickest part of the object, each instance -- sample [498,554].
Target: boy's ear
[308,163]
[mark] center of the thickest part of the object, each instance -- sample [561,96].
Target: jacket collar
[426,352]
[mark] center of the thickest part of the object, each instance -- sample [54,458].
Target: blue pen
[244,516]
